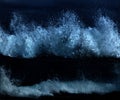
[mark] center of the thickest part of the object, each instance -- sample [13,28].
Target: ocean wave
[68,38]
[49,87]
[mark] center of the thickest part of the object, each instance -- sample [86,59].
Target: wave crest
[68,39]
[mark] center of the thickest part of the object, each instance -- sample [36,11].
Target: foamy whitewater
[49,87]
[69,38]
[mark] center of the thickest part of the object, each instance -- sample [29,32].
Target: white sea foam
[68,39]
[49,87]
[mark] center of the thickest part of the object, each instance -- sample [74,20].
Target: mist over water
[68,38]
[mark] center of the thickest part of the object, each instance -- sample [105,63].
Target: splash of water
[49,87]
[68,39]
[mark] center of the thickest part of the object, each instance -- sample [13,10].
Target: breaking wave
[49,87]
[68,38]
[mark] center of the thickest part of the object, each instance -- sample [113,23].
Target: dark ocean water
[59,49]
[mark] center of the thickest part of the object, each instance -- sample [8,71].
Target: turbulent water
[68,38]
[50,87]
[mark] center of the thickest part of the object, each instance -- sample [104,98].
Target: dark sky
[67,3]
[37,8]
